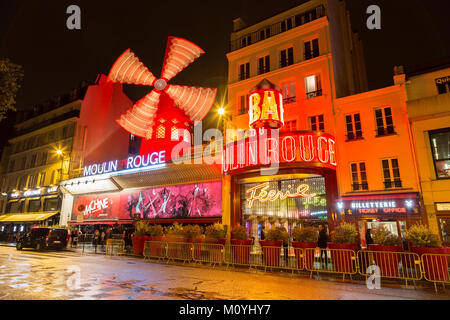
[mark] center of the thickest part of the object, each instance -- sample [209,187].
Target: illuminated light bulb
[221,111]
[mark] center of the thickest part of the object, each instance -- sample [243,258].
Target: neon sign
[402,203]
[301,146]
[32,193]
[266,109]
[145,161]
[273,195]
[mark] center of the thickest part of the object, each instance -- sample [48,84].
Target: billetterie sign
[136,162]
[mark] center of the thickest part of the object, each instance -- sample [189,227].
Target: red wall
[103,104]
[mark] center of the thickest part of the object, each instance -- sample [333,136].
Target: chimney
[399,75]
[238,24]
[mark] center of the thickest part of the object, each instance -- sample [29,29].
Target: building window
[384,121]
[244,71]
[264,34]
[44,158]
[443,85]
[174,134]
[34,205]
[161,132]
[287,57]
[312,49]
[286,25]
[313,86]
[42,179]
[264,65]
[289,93]
[51,205]
[353,122]
[22,165]
[440,145]
[290,126]
[11,165]
[243,105]
[317,123]
[33,161]
[391,174]
[359,176]
[246,41]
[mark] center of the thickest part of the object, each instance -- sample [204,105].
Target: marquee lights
[272,195]
[301,146]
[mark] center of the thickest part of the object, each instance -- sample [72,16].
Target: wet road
[70,275]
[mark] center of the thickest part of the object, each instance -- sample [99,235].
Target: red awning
[110,223]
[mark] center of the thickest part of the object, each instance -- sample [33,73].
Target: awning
[85,223]
[27,217]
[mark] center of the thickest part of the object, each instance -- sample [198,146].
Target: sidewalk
[4,244]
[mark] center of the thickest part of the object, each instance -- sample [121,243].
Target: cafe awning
[27,217]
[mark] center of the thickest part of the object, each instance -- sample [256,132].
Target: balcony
[277,28]
[289,100]
[360,186]
[262,70]
[352,136]
[314,94]
[244,76]
[393,184]
[385,131]
[311,54]
[286,62]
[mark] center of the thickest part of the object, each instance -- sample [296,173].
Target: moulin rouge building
[341,153]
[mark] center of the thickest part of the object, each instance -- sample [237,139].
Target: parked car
[44,238]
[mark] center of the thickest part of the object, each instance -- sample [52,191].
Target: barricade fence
[406,266]
[115,247]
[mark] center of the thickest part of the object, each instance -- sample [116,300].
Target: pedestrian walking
[322,243]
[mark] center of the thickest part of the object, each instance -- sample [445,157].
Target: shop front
[295,187]
[443,217]
[29,208]
[395,212]
[159,193]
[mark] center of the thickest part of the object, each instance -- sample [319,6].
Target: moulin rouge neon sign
[265,194]
[262,150]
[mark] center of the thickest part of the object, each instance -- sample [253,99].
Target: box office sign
[171,202]
[385,205]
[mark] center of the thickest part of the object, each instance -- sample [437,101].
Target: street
[70,275]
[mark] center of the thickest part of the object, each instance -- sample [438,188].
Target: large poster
[183,201]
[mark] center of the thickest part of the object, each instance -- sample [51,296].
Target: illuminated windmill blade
[180,53]
[139,119]
[194,101]
[129,69]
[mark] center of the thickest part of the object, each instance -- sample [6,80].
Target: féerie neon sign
[272,195]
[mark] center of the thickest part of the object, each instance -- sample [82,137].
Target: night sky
[55,59]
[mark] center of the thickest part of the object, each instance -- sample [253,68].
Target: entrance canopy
[31,217]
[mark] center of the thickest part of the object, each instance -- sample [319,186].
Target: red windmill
[158,117]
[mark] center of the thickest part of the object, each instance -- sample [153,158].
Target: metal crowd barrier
[436,268]
[208,253]
[341,261]
[115,247]
[179,251]
[155,249]
[405,266]
[394,265]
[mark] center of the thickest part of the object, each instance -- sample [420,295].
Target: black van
[44,238]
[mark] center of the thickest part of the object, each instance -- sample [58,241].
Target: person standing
[322,243]
[96,239]
[369,239]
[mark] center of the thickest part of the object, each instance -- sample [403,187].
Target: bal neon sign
[265,194]
[145,161]
[261,150]
[266,109]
